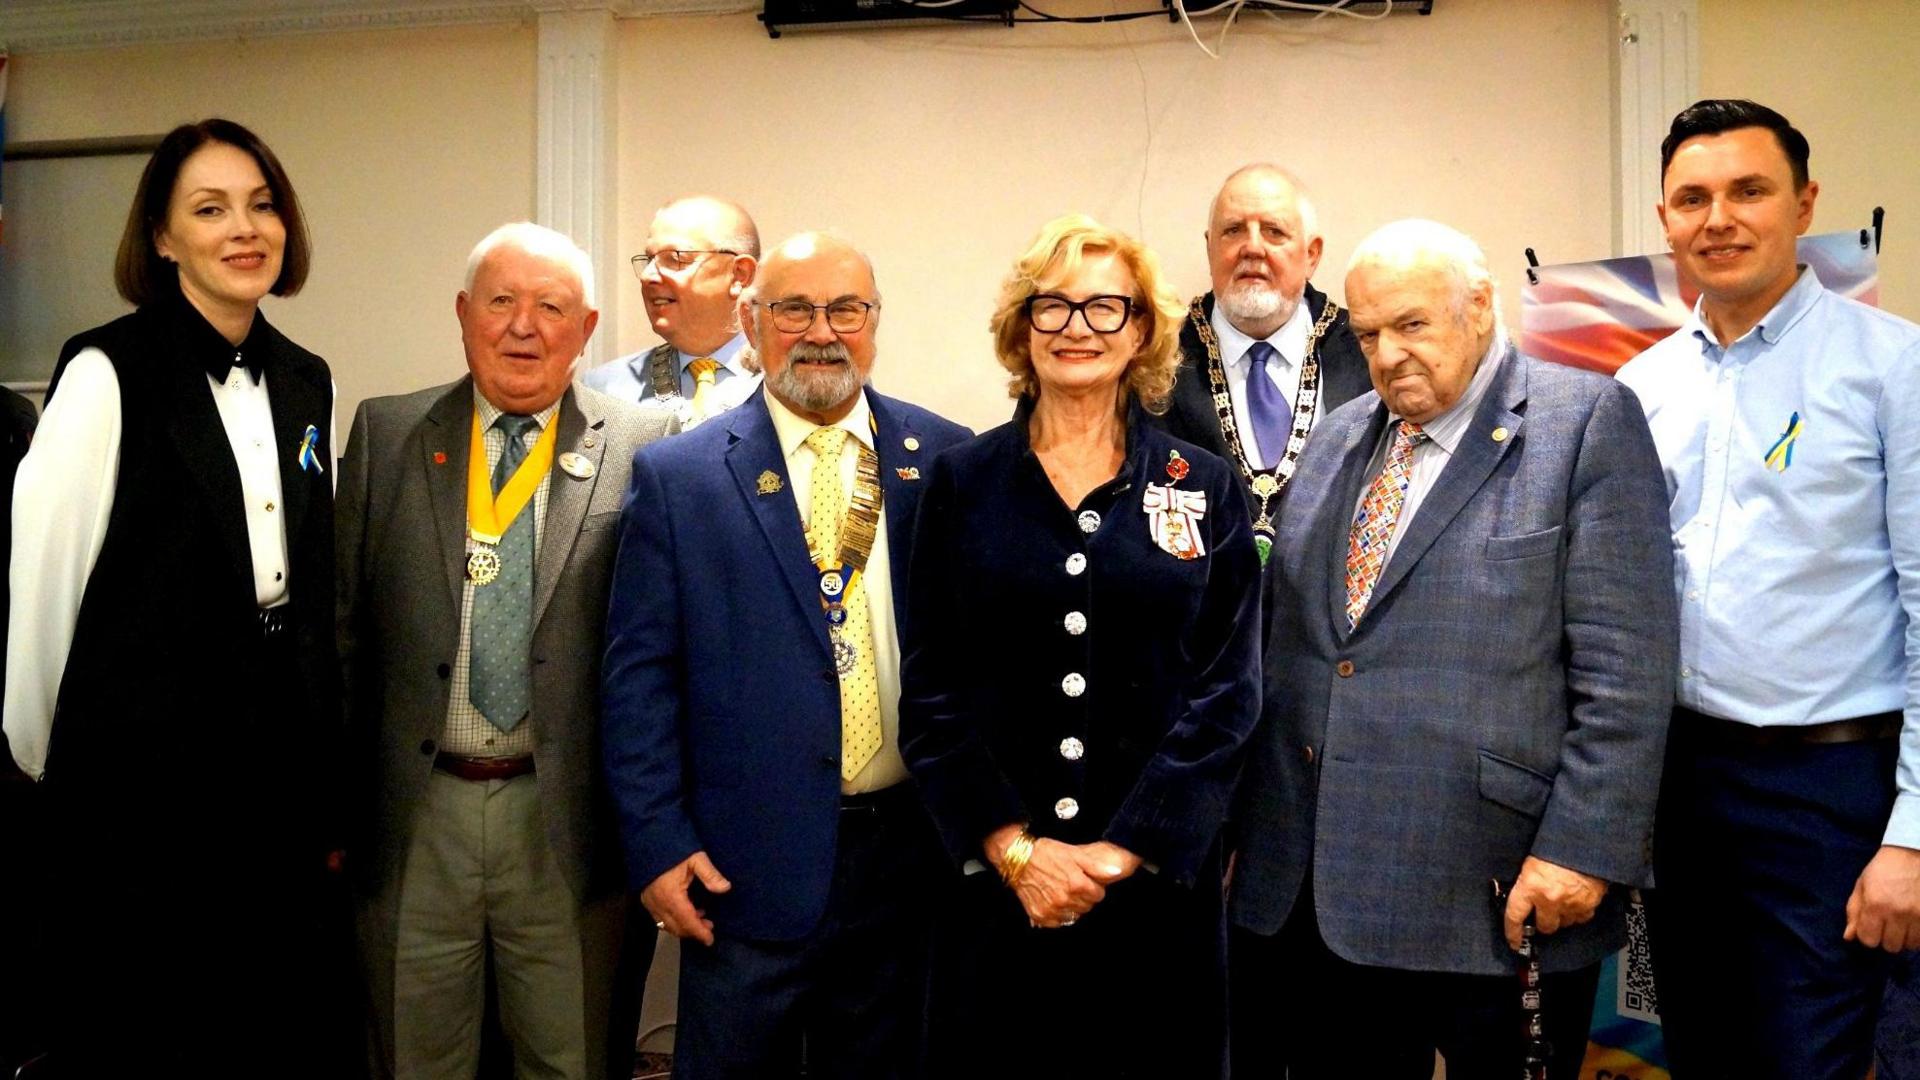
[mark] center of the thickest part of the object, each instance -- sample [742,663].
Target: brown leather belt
[483,768]
[1859,729]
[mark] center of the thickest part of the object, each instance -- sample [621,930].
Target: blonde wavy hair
[1058,251]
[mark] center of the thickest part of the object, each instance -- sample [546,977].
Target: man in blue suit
[752,684]
[1468,680]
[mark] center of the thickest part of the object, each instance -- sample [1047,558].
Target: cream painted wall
[406,148]
[1847,73]
[943,149]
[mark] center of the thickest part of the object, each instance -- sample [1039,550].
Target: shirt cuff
[1903,825]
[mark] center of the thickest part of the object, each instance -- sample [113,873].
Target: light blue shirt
[1798,576]
[629,379]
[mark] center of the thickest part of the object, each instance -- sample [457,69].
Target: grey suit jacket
[1506,693]
[401,527]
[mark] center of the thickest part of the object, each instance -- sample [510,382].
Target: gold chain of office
[1265,484]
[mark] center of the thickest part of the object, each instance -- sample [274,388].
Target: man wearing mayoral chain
[752,684]
[476,539]
[1265,354]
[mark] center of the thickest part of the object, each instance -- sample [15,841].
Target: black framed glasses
[796,316]
[675,259]
[1050,314]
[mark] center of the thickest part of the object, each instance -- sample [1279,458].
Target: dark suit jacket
[722,705]
[1506,692]
[1191,416]
[402,560]
[1168,649]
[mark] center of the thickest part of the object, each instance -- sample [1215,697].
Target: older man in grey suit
[1471,659]
[476,525]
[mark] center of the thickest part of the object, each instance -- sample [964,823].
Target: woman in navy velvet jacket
[1081,671]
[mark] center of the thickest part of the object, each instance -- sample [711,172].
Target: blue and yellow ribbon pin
[1780,454]
[308,457]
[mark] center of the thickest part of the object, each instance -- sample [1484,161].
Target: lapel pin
[1499,434]
[439,457]
[910,443]
[308,457]
[770,482]
[576,466]
[587,441]
[908,473]
[1176,466]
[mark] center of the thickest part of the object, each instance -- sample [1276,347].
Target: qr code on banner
[1637,997]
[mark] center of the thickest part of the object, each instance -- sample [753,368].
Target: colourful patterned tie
[1379,513]
[500,673]
[860,732]
[703,370]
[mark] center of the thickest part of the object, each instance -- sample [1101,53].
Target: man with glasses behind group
[752,683]
[702,250]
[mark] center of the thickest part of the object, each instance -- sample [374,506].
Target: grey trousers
[479,870]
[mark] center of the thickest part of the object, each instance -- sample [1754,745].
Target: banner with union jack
[1599,315]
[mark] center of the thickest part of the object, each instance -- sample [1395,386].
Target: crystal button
[1066,809]
[1076,623]
[1076,562]
[1073,685]
[1072,749]
[1089,521]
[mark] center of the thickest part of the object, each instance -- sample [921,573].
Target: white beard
[1256,302]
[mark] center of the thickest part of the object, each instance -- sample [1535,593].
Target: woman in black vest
[171,671]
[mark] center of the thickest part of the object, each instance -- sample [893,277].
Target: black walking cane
[1538,1050]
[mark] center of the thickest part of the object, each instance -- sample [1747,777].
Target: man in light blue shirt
[701,252]
[1787,847]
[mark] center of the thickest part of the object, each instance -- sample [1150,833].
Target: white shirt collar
[1290,341]
[793,429]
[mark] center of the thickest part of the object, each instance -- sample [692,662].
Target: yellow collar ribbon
[488,516]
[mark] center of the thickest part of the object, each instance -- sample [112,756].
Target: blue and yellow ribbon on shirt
[1780,454]
[307,457]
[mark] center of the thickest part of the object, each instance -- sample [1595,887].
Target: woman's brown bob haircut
[140,274]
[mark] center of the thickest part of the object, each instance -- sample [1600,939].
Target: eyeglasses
[796,316]
[1050,314]
[674,259]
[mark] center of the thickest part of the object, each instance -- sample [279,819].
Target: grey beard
[816,392]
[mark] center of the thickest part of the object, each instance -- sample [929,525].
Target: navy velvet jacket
[1065,670]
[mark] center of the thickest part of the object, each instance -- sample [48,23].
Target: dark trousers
[1300,1011]
[1136,988]
[1756,853]
[848,999]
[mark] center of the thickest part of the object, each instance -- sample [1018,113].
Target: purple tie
[1272,416]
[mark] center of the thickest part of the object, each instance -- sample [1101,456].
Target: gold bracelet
[1014,862]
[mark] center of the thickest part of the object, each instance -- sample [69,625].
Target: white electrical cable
[1266,7]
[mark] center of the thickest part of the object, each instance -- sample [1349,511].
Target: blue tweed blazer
[1506,693]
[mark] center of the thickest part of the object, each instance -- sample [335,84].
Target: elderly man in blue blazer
[752,687]
[1468,680]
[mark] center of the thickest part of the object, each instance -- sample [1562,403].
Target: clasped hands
[1062,882]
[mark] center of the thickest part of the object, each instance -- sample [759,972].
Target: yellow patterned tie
[1379,513]
[703,370]
[860,688]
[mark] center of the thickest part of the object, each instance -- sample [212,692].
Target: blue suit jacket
[721,705]
[1506,692]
